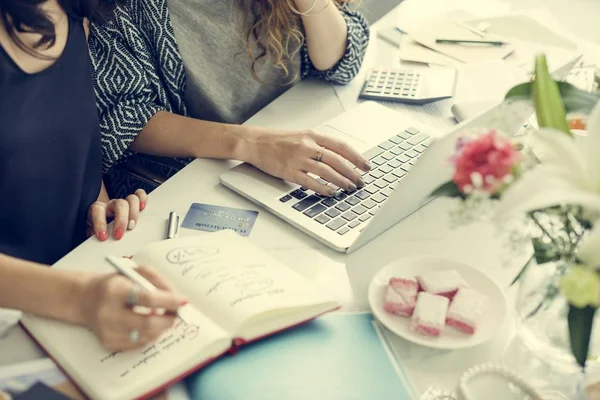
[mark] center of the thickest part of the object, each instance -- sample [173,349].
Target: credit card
[210,218]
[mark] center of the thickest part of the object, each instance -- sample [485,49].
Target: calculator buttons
[394,84]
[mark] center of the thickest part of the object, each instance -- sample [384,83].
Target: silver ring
[320,154]
[134,336]
[133,298]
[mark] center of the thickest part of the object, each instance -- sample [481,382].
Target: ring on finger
[319,156]
[133,297]
[134,336]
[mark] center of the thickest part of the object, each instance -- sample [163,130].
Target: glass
[541,352]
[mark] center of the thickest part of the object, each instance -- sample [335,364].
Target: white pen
[124,267]
[173,226]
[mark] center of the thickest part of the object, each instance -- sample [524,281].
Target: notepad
[340,356]
[237,293]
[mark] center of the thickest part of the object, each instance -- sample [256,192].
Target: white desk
[305,106]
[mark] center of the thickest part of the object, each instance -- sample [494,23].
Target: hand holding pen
[108,307]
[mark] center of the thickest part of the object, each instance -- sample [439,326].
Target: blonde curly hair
[275,34]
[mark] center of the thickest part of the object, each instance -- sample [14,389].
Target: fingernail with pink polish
[102,236]
[119,233]
[142,205]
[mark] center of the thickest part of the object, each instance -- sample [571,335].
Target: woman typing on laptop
[195,70]
[51,189]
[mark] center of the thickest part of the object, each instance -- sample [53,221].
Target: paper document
[427,31]
[411,51]
[524,27]
[533,32]
[8,319]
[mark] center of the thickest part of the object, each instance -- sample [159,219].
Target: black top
[50,154]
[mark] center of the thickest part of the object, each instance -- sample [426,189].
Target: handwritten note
[180,334]
[182,255]
[222,276]
[234,283]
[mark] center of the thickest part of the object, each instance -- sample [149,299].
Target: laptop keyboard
[390,162]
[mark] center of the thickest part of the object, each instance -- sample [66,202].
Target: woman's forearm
[171,135]
[326,32]
[37,289]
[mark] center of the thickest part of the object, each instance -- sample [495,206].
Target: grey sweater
[189,57]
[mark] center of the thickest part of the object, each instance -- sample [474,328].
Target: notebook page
[125,375]
[235,283]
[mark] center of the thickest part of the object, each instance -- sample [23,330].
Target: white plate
[450,338]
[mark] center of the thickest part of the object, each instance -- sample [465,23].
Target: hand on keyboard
[352,209]
[294,155]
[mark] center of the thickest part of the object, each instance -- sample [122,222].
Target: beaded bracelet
[465,394]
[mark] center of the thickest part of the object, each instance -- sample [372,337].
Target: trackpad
[351,141]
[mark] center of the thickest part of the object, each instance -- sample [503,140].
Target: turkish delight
[401,296]
[443,283]
[429,316]
[467,308]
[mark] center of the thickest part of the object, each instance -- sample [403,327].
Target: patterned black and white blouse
[138,70]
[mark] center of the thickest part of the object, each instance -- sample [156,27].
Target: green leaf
[544,252]
[448,189]
[523,270]
[549,107]
[575,99]
[580,331]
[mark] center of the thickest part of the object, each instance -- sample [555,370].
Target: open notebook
[237,294]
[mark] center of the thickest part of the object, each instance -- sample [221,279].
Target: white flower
[568,175]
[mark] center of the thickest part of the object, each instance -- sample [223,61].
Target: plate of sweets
[436,302]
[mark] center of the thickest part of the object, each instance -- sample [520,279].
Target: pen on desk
[465,41]
[173,226]
[122,266]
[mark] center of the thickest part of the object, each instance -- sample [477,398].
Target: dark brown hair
[20,16]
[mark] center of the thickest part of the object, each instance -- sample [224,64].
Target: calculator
[413,86]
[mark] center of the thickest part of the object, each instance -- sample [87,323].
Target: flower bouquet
[552,182]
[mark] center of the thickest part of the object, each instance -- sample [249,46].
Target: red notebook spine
[236,344]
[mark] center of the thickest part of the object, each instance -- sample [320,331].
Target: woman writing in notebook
[51,189]
[197,69]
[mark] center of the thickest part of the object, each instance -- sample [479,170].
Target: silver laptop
[409,161]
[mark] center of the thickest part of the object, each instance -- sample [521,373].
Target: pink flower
[486,163]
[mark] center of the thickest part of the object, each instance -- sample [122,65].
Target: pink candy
[443,283]
[401,296]
[434,300]
[429,317]
[466,310]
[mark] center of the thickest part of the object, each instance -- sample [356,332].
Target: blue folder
[339,356]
